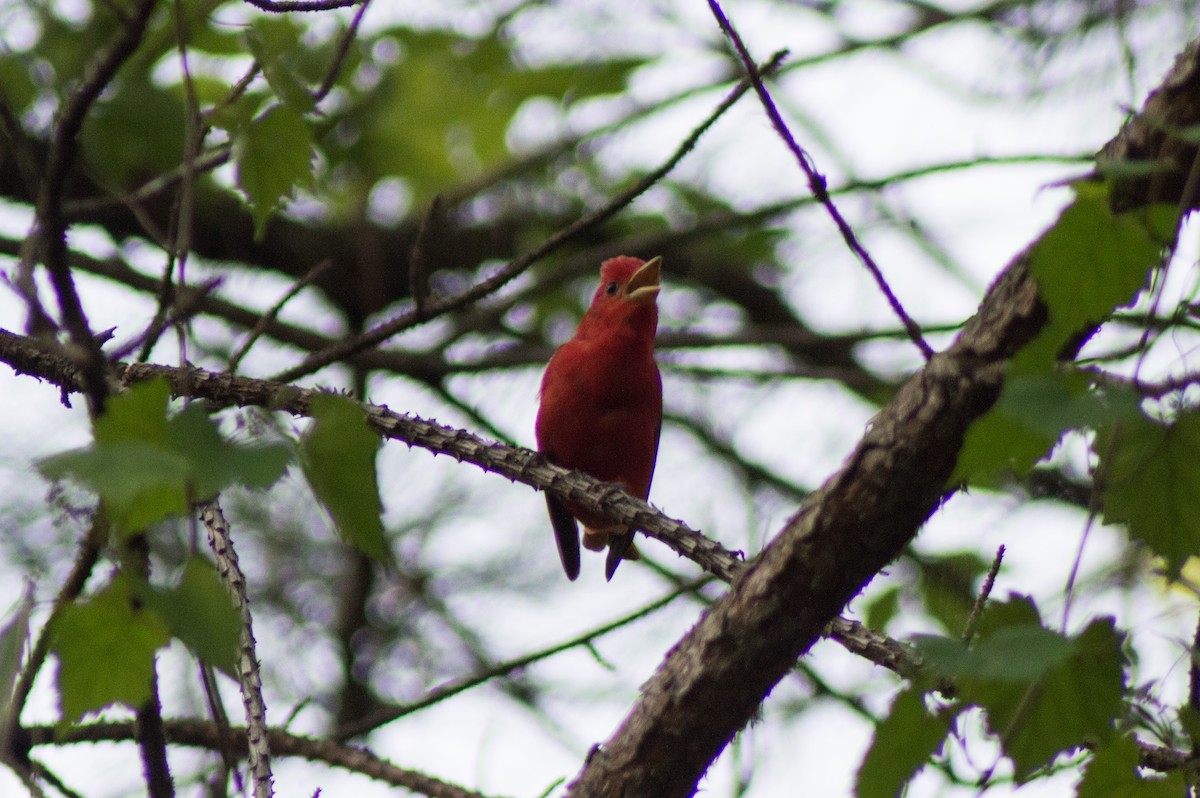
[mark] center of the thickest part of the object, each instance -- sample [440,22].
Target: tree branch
[714,679]
[249,677]
[50,223]
[515,463]
[205,734]
[817,182]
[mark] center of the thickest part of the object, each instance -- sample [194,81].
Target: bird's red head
[625,299]
[626,279]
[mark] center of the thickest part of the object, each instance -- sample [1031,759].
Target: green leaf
[1032,413]
[881,609]
[1021,654]
[216,464]
[950,656]
[1090,262]
[339,461]
[904,741]
[1151,482]
[1074,703]
[129,467]
[1112,772]
[275,42]
[1018,610]
[140,484]
[105,649]
[1189,720]
[274,155]
[947,584]
[139,414]
[200,613]
[147,467]
[1043,693]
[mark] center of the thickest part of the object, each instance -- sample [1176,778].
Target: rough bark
[713,681]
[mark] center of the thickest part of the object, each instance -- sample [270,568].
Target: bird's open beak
[643,286]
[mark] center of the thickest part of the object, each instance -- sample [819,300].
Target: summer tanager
[601,408]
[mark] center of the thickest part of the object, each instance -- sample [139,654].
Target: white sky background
[885,115]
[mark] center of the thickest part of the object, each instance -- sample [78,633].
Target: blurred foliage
[339,460]
[402,155]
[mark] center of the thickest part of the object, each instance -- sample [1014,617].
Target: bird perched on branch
[601,406]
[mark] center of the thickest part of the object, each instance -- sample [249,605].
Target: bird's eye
[611,288]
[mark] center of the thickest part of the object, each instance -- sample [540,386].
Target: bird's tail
[618,542]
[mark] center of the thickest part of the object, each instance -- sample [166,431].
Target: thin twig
[981,600]
[319,360]
[180,236]
[269,317]
[1194,682]
[284,6]
[217,157]
[418,266]
[216,710]
[86,557]
[205,734]
[28,776]
[817,182]
[188,302]
[50,777]
[257,737]
[456,686]
[1149,389]
[340,53]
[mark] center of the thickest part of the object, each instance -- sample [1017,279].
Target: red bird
[601,408]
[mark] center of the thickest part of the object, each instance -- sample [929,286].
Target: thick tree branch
[1154,137]
[714,679]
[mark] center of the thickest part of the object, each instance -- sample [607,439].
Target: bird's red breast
[601,400]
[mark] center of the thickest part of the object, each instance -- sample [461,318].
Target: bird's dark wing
[566,534]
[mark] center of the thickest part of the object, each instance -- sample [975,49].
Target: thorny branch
[249,675]
[205,734]
[515,463]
